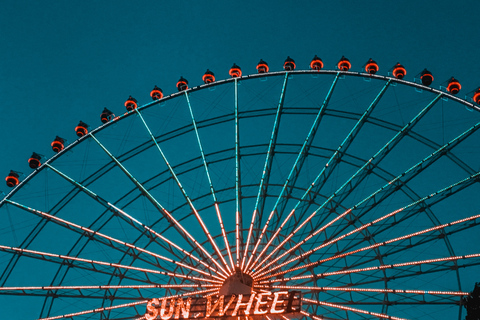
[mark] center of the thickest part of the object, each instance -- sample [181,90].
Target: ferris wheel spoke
[262,190]
[92,292]
[353,181]
[187,236]
[187,198]
[91,265]
[329,166]
[152,234]
[238,190]
[212,190]
[105,239]
[412,208]
[346,189]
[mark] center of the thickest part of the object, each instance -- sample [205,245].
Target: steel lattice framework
[358,190]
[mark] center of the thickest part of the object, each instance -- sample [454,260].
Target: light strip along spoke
[360,173]
[93,233]
[389,188]
[382,267]
[129,219]
[238,185]
[329,166]
[212,190]
[126,305]
[338,306]
[87,291]
[262,190]
[63,259]
[393,291]
[465,221]
[322,317]
[189,238]
[438,196]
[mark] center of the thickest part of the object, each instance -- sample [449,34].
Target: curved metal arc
[189,238]
[260,202]
[438,196]
[359,175]
[109,239]
[182,189]
[212,190]
[126,217]
[329,166]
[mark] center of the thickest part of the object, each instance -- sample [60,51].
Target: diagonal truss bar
[128,218]
[64,259]
[193,242]
[352,182]
[356,310]
[111,240]
[329,166]
[212,190]
[436,197]
[262,190]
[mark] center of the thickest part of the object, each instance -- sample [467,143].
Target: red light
[12,179]
[81,129]
[476,96]
[399,71]
[235,71]
[156,93]
[208,77]
[262,67]
[316,63]
[57,144]
[371,67]
[344,64]
[289,64]
[454,86]
[34,161]
[131,103]
[182,84]
[426,77]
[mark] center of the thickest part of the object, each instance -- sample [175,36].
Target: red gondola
[344,64]
[182,84]
[156,93]
[34,161]
[289,64]
[453,86]
[399,71]
[316,63]
[208,77]
[131,103]
[476,96]
[426,77]
[235,71]
[12,179]
[81,129]
[262,67]
[106,115]
[371,66]
[58,144]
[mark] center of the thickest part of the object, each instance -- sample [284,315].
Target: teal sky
[62,62]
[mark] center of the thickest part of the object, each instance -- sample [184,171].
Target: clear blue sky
[62,62]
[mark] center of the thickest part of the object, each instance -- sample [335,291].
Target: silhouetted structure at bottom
[472,303]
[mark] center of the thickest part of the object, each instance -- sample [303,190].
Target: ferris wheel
[316,194]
